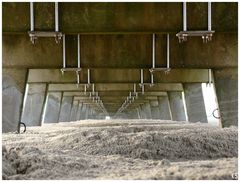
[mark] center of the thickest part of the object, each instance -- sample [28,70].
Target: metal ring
[21,123]
[213,113]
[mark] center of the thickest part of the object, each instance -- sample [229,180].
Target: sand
[121,149]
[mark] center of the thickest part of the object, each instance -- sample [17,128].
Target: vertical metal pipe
[168,47]
[184,16]
[209,16]
[134,87]
[209,76]
[79,52]
[141,76]
[32,16]
[78,78]
[64,53]
[152,81]
[88,76]
[56,17]
[153,51]
[93,88]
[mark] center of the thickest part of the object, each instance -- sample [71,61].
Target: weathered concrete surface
[73,115]
[13,81]
[34,104]
[164,108]
[122,16]
[177,106]
[53,105]
[195,102]
[108,75]
[146,111]
[80,104]
[226,83]
[154,109]
[66,107]
[83,112]
[127,51]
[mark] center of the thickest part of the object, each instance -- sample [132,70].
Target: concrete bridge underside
[116,43]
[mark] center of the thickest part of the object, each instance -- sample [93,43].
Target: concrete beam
[112,87]
[118,76]
[130,17]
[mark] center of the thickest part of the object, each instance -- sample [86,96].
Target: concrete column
[73,115]
[195,102]
[177,106]
[154,109]
[79,110]
[52,109]
[226,84]
[83,112]
[164,108]
[146,111]
[34,104]
[87,112]
[13,88]
[66,107]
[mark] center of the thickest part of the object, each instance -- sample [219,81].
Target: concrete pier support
[146,111]
[73,115]
[154,109]
[53,105]
[177,106]
[164,108]
[79,110]
[83,112]
[226,84]
[13,83]
[66,107]
[34,104]
[195,102]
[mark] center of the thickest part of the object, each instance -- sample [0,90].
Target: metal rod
[88,76]
[143,89]
[209,76]
[184,16]
[93,88]
[85,88]
[152,81]
[141,76]
[168,55]
[56,17]
[153,51]
[32,16]
[209,16]
[134,87]
[79,51]
[64,53]
[78,78]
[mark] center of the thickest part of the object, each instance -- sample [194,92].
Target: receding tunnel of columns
[122,72]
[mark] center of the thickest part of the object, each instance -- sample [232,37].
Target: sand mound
[121,150]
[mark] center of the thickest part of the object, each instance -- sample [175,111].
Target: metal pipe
[184,16]
[78,78]
[88,76]
[93,88]
[56,17]
[141,76]
[143,89]
[168,55]
[32,16]
[209,16]
[134,87]
[153,51]
[152,81]
[79,51]
[209,76]
[64,53]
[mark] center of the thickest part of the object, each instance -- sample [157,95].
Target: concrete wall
[66,107]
